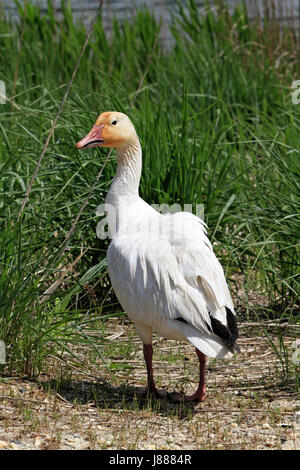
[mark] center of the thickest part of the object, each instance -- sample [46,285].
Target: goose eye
[114,122]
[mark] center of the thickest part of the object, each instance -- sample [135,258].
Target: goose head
[112,129]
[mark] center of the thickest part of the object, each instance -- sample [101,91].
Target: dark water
[163,9]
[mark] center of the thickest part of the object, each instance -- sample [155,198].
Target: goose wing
[174,275]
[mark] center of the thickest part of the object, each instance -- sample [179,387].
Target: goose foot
[145,391]
[197,397]
[175,397]
[158,393]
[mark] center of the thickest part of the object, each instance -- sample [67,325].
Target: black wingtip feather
[228,333]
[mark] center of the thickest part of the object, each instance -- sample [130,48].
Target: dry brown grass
[249,404]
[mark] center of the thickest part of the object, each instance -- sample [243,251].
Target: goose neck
[129,168]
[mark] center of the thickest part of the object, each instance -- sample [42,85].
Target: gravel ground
[250,405]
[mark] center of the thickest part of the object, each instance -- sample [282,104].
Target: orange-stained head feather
[112,129]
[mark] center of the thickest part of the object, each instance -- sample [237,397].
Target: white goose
[162,267]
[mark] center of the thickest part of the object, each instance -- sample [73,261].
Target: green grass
[217,127]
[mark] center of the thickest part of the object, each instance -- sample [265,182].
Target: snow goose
[162,267]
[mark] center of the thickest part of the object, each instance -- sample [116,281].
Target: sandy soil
[250,403]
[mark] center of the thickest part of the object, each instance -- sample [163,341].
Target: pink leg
[200,393]
[148,354]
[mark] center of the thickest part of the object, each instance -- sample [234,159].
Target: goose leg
[148,354]
[200,393]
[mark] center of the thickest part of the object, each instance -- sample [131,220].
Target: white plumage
[159,279]
[162,267]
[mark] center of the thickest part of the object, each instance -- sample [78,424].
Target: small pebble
[266,426]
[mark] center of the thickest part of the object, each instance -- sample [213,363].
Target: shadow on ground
[104,395]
